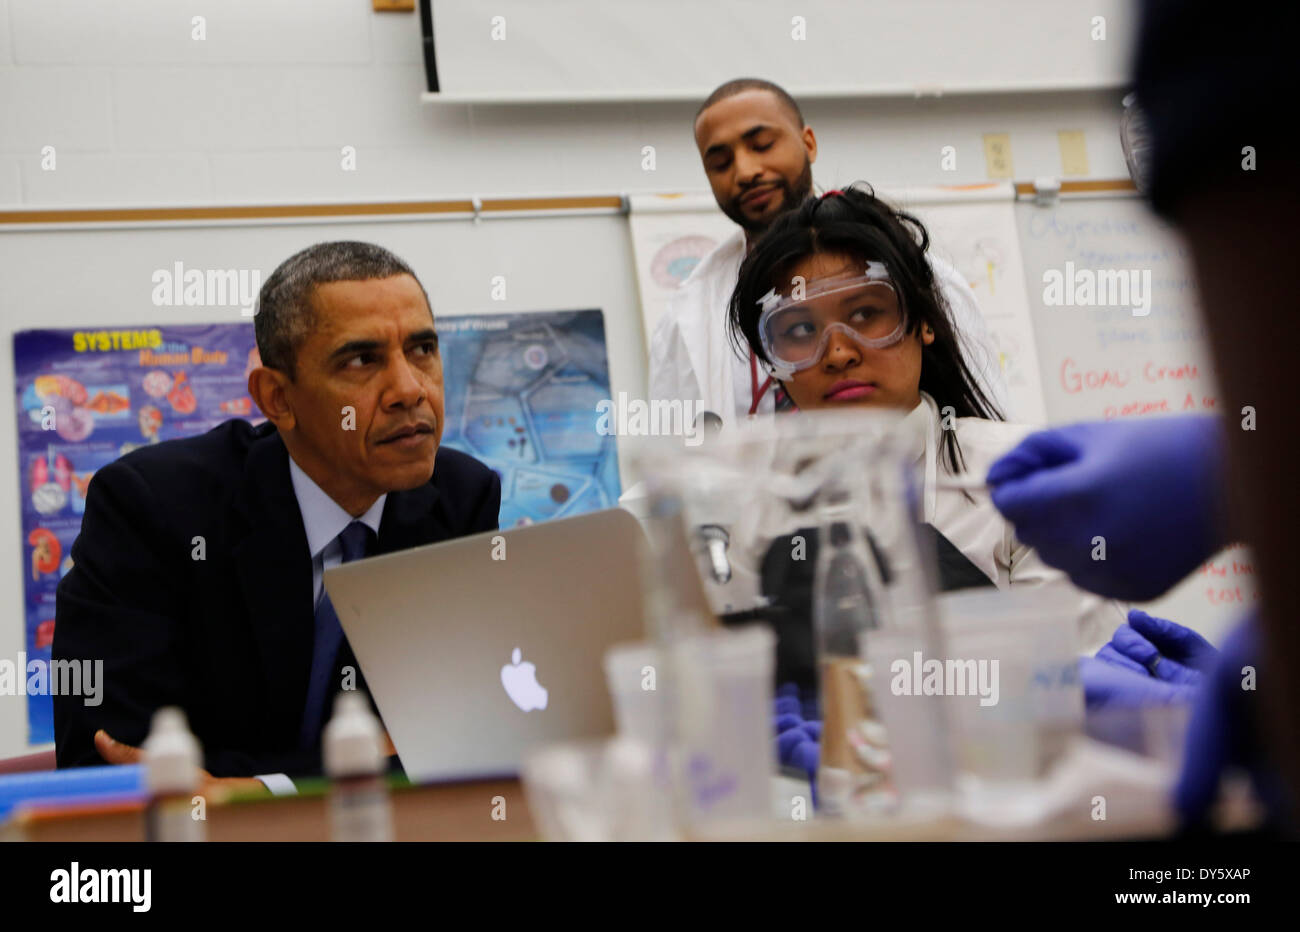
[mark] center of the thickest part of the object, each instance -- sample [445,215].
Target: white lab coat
[692,358]
[980,531]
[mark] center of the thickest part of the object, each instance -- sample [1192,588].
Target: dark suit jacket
[228,638]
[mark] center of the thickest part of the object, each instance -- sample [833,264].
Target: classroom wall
[141,115]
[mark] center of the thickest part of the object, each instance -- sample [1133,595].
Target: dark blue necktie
[355,541]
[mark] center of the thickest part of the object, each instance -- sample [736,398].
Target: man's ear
[810,143]
[267,387]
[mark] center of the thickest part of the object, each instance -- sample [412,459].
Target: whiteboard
[979,238]
[520,50]
[1105,363]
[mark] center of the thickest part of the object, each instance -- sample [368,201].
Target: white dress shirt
[324,520]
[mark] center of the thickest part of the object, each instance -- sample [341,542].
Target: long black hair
[856,223]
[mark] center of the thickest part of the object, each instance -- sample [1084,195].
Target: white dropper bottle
[172,762]
[360,809]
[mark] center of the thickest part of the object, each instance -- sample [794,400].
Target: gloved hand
[1109,654]
[1149,488]
[1224,732]
[797,740]
[1165,649]
[1108,685]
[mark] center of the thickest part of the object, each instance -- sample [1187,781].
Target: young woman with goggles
[839,304]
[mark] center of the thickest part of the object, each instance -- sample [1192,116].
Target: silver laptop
[478,650]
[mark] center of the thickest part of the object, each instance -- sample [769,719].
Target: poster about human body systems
[521,393]
[86,397]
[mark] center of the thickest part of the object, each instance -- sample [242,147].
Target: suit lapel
[410,520]
[275,574]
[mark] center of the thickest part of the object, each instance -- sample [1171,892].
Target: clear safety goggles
[795,329]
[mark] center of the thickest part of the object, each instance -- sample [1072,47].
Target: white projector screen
[665,49]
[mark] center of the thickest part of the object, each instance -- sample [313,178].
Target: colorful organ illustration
[150,418]
[108,402]
[67,397]
[47,552]
[181,396]
[50,387]
[157,383]
[50,479]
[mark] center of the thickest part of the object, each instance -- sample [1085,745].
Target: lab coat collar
[915,427]
[709,288]
[918,440]
[724,257]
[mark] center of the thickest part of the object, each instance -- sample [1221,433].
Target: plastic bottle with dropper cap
[360,809]
[172,762]
[850,602]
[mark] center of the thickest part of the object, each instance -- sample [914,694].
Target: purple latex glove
[796,739]
[1175,642]
[1224,732]
[1108,684]
[1161,659]
[798,747]
[789,705]
[1149,488]
[1109,654]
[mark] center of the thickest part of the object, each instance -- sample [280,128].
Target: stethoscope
[756,391]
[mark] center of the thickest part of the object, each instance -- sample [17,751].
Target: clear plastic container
[1018,723]
[638,687]
[602,790]
[725,760]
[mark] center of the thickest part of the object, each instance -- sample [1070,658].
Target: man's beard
[794,195]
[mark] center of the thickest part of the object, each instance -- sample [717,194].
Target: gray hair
[285,315]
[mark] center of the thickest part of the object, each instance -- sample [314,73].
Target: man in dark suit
[197,575]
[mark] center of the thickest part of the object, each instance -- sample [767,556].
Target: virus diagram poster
[521,395]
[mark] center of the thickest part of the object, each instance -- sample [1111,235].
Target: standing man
[198,571]
[758,156]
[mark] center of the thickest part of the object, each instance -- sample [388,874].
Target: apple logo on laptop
[520,681]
